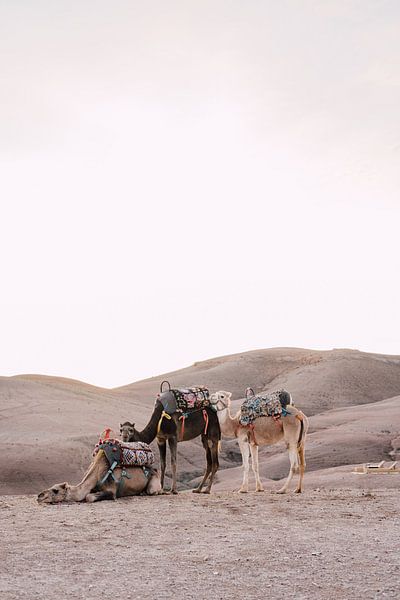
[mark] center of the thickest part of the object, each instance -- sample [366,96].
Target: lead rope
[163,414]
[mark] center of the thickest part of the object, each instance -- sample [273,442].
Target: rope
[163,414]
[182,418]
[205,415]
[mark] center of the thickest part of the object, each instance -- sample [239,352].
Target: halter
[215,404]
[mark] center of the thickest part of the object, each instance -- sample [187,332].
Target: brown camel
[91,490]
[264,431]
[175,428]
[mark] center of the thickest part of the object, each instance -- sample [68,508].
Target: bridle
[219,401]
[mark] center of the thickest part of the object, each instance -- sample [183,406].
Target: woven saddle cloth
[133,454]
[185,399]
[261,405]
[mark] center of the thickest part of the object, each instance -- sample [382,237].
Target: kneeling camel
[91,490]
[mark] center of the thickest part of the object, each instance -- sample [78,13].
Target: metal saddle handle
[161,386]
[249,392]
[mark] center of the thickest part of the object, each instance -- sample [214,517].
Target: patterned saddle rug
[184,399]
[127,454]
[264,405]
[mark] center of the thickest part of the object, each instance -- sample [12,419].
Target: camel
[264,431]
[175,428]
[91,490]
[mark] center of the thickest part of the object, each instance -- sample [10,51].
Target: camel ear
[63,485]
[229,394]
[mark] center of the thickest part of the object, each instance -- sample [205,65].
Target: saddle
[126,454]
[183,400]
[118,454]
[264,405]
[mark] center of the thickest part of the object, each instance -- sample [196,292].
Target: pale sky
[186,179]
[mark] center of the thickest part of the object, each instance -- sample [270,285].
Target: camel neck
[79,492]
[149,433]
[227,423]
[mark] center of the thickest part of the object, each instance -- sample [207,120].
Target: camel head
[127,431]
[220,400]
[57,493]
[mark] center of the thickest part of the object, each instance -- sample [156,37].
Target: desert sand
[339,538]
[329,543]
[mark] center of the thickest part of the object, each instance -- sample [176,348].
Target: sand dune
[318,380]
[353,397]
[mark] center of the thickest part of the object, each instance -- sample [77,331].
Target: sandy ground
[338,544]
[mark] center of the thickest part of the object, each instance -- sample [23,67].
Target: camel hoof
[281,491]
[260,490]
[206,491]
[242,491]
[90,498]
[174,492]
[297,491]
[196,491]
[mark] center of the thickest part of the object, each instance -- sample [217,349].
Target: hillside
[48,425]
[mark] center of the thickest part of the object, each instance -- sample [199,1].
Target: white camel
[264,431]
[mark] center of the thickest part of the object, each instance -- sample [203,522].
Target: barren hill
[48,425]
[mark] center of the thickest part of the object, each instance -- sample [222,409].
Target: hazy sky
[186,179]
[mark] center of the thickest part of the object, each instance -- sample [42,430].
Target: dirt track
[323,544]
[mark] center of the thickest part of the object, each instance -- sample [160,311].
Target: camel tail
[300,441]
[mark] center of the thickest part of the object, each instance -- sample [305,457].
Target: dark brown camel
[169,428]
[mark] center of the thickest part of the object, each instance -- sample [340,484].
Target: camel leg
[162,448]
[254,464]
[208,468]
[153,487]
[294,467]
[245,450]
[97,496]
[302,468]
[173,443]
[214,463]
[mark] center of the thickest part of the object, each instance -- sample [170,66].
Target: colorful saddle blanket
[191,398]
[185,399]
[264,405]
[128,454]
